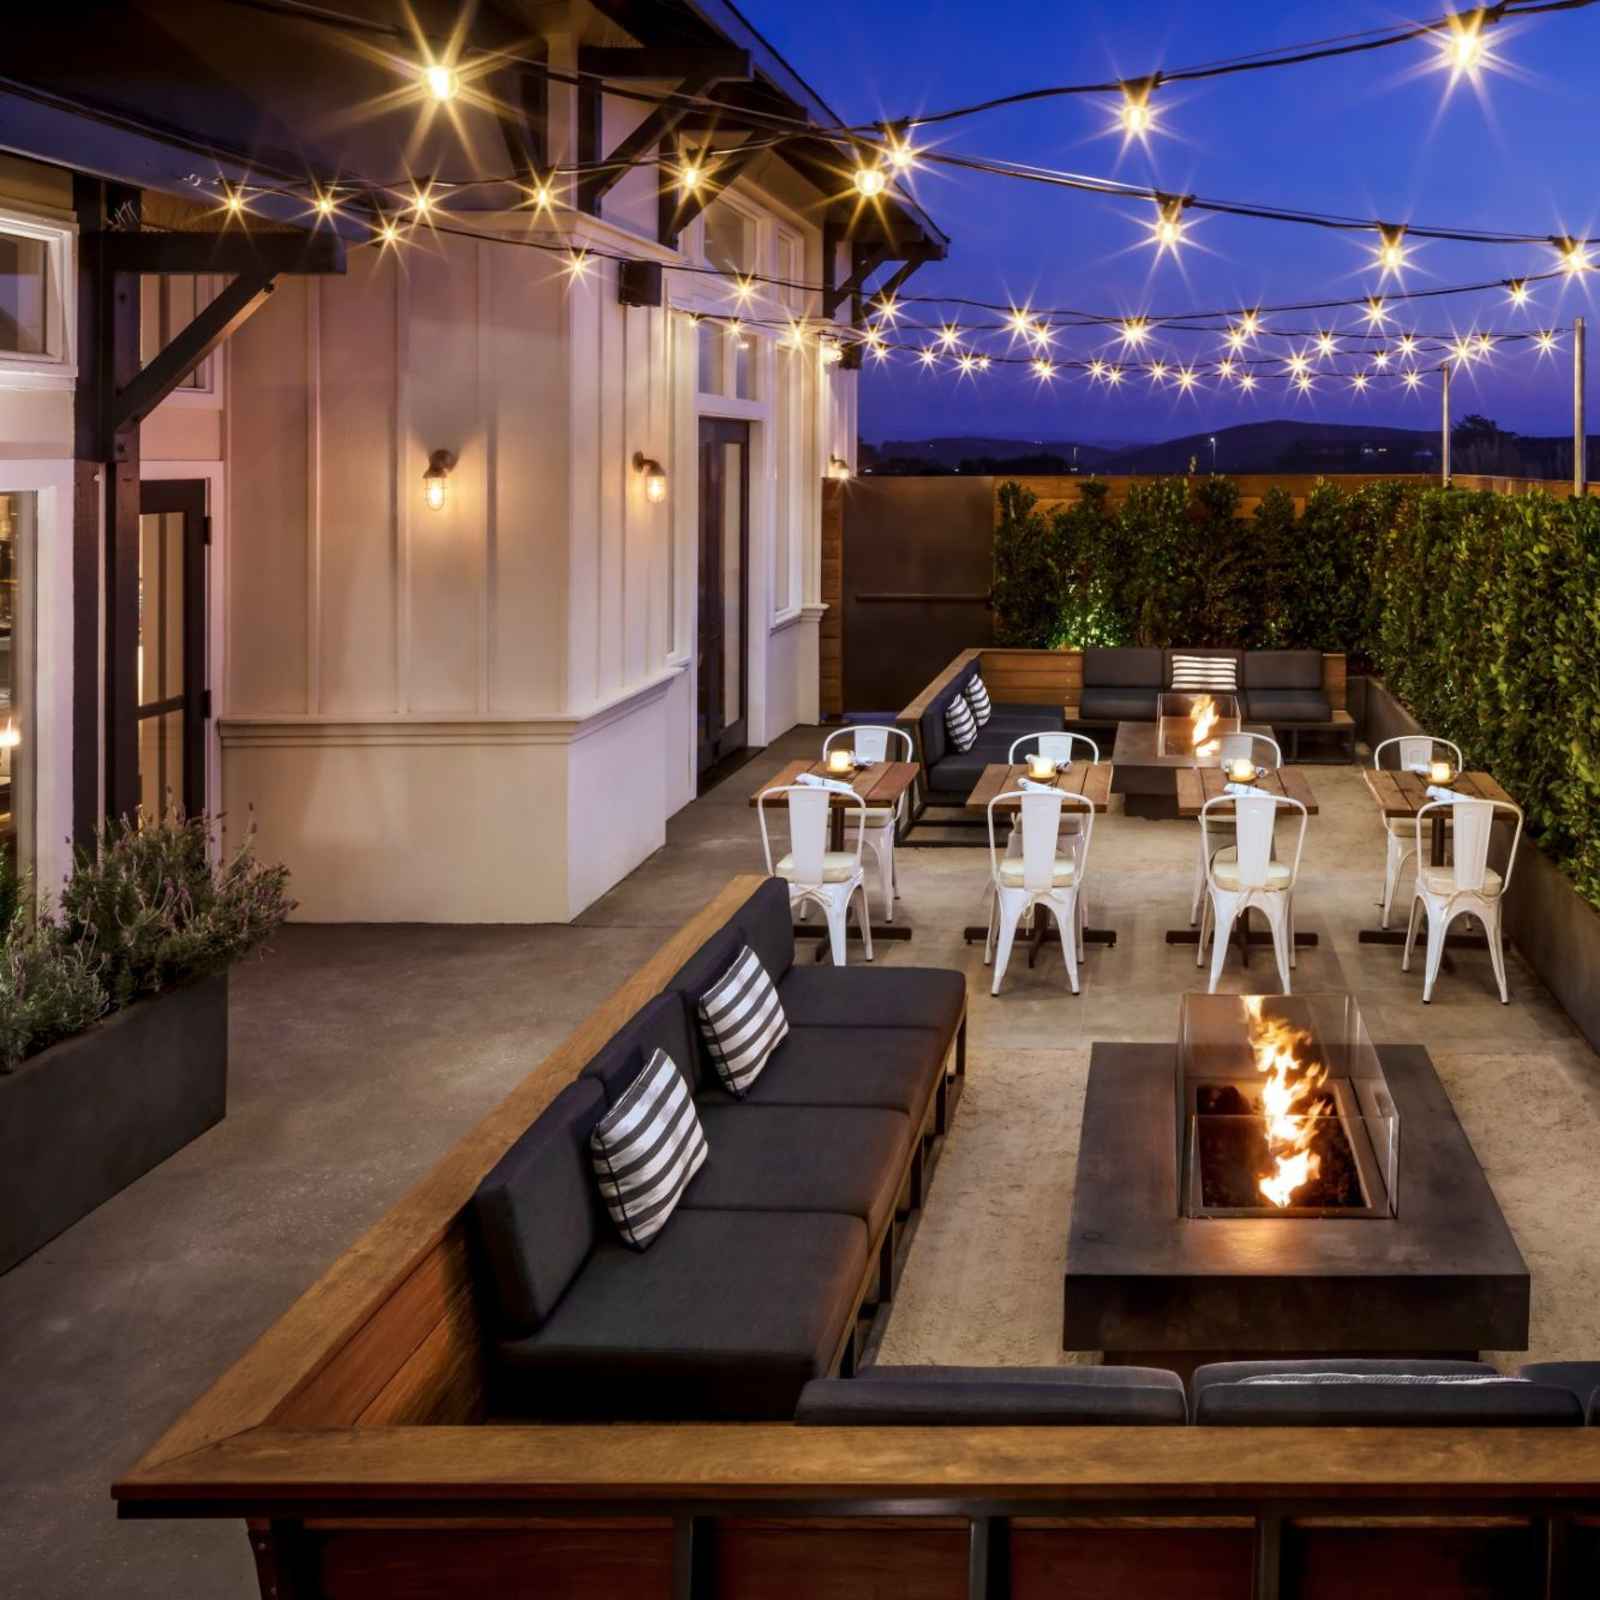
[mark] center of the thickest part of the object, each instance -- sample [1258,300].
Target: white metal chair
[815,874]
[1414,750]
[1245,876]
[1039,874]
[1231,747]
[1468,886]
[884,823]
[1055,747]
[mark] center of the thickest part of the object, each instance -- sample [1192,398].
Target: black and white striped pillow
[742,1019]
[1205,672]
[646,1149]
[960,723]
[978,698]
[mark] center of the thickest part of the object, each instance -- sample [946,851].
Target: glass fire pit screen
[1192,724]
[1283,1110]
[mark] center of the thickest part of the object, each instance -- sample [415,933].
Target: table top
[1404,794]
[880,784]
[1092,779]
[1196,785]
[1136,745]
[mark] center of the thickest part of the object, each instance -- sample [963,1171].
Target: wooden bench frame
[347,1440]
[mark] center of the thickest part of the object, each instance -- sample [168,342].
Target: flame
[1290,1083]
[1204,719]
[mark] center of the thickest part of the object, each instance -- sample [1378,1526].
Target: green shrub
[50,988]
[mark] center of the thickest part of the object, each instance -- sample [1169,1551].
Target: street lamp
[1212,440]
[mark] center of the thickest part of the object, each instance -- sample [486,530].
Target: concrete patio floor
[360,1053]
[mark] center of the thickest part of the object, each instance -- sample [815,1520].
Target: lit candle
[1440,772]
[841,761]
[1041,768]
[1241,769]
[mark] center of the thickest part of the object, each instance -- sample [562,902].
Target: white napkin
[812,781]
[1448,796]
[1242,790]
[1421,768]
[1036,788]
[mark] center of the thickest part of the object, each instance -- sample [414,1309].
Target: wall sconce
[655,479]
[839,468]
[436,480]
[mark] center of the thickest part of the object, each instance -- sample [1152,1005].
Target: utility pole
[1580,431]
[1213,439]
[1444,428]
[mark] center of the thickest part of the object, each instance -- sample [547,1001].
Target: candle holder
[842,762]
[1041,769]
[1441,772]
[1241,770]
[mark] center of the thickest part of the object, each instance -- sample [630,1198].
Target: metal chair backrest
[1055,747]
[808,828]
[1416,750]
[1254,825]
[1041,828]
[1473,830]
[1237,746]
[870,741]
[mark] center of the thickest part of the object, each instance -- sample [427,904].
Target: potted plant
[114,1015]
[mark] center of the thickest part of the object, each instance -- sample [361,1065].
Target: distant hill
[1286,446]
[952,451]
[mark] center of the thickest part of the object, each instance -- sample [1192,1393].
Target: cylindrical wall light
[655,478]
[436,480]
[838,468]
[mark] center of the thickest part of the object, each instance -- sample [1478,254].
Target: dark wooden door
[722,651]
[166,680]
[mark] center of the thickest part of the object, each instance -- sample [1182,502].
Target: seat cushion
[802,1158]
[1283,669]
[838,866]
[1582,1378]
[957,775]
[1225,869]
[1274,706]
[1016,720]
[996,1397]
[1123,667]
[1332,1392]
[894,1069]
[537,1214]
[881,997]
[1118,705]
[1442,880]
[727,1317]
[1066,869]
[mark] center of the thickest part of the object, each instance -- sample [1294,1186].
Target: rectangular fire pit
[1424,1265]
[1282,1110]
[1189,724]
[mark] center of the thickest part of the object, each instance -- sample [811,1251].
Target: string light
[1044,370]
[1408,344]
[832,353]
[690,176]
[1298,364]
[983,363]
[1158,371]
[1186,379]
[389,234]
[1113,376]
[1391,252]
[1485,344]
[1517,291]
[870,182]
[1326,345]
[744,291]
[1250,324]
[442,81]
[233,202]
[541,194]
[1247,381]
[1463,50]
[966,363]
[324,205]
[888,309]
[1303,383]
[1376,313]
[928,357]
[899,154]
[1225,369]
[1136,116]
[1573,254]
[1545,342]
[1236,339]
[1020,322]
[1097,370]
[1359,382]
[1412,379]
[576,266]
[1167,230]
[421,202]
[949,335]
[1134,331]
[1380,359]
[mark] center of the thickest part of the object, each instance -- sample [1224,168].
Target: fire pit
[1283,1110]
[1192,724]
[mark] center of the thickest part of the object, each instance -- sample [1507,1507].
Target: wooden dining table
[1199,785]
[879,784]
[1091,779]
[1400,795]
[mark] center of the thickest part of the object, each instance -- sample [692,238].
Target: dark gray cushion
[1581,1377]
[727,1316]
[881,997]
[801,1158]
[1118,705]
[1224,1396]
[996,1397]
[894,1069]
[1286,705]
[660,1024]
[1016,720]
[1123,668]
[537,1215]
[935,741]
[956,776]
[1283,669]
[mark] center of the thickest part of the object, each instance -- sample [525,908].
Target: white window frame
[57,367]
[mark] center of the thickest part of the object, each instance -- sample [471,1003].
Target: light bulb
[1412,379]
[1135,115]
[441,80]
[1376,313]
[1158,371]
[1044,370]
[1380,359]
[1573,254]
[901,156]
[1517,291]
[1359,381]
[1325,344]
[690,176]
[1167,230]
[870,182]
[1546,342]
[1097,369]
[1247,381]
[1391,252]
[1303,383]
[1113,376]
[983,363]
[948,335]
[1250,324]
[1186,379]
[1135,330]
[1225,368]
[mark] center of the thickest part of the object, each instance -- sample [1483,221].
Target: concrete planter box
[86,1117]
[1554,928]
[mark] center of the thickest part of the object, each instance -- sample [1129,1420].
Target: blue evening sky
[1374,135]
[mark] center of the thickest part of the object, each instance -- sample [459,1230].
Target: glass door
[723,718]
[19,514]
[170,673]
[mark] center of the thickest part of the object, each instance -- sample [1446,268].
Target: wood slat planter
[83,1119]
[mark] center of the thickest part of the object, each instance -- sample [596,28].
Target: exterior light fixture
[442,82]
[1517,290]
[655,478]
[1545,341]
[1167,230]
[436,480]
[838,469]
[1136,116]
[1250,324]
[1391,254]
[1376,313]
[1573,253]
[983,363]
[1134,330]
[832,355]
[870,182]
[690,176]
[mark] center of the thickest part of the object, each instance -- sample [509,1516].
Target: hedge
[1480,611]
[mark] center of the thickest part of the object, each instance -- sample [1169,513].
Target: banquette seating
[753,1286]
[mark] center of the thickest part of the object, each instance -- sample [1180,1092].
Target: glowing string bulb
[1303,383]
[1236,337]
[1359,382]
[1186,378]
[1167,230]
[1136,116]
[1298,364]
[576,266]
[442,81]
[1391,253]
[870,182]
[325,205]
[1250,324]
[1225,368]
[1113,376]
[1517,291]
[967,362]
[1044,370]
[1408,344]
[1463,49]
[1158,371]
[900,155]
[1573,254]
[690,176]
[389,233]
[1135,330]
[1546,341]
[1412,379]
[233,203]
[832,353]
[1380,359]
[1247,381]
[1376,313]
[1485,344]
[1325,344]
[421,203]
[949,334]
[928,357]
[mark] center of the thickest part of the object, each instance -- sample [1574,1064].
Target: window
[35,319]
[728,238]
[18,522]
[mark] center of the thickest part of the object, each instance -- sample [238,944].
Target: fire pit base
[1442,1278]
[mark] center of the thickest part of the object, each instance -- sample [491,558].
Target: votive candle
[1440,772]
[841,761]
[1241,770]
[1041,768]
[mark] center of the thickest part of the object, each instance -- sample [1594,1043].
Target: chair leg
[1497,949]
[1437,927]
[1078,919]
[1069,943]
[1394,865]
[1199,884]
[838,911]
[994,912]
[1280,918]
[1289,911]
[1411,933]
[885,853]
[1205,923]
[1008,931]
[1222,932]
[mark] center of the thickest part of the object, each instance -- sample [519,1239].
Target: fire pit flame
[1291,1082]
[1204,719]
